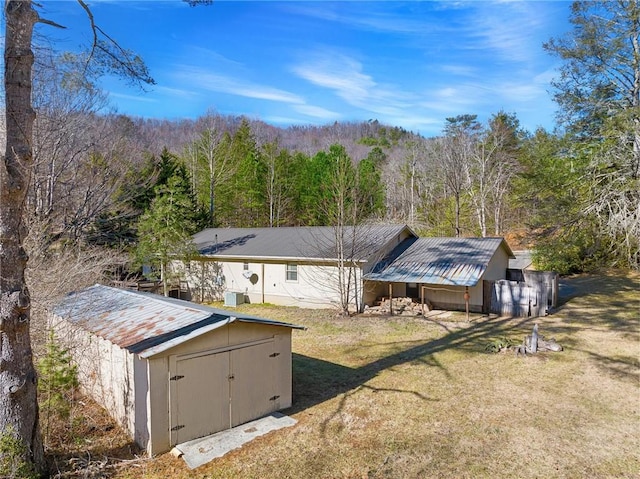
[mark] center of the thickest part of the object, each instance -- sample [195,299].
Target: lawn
[406,397]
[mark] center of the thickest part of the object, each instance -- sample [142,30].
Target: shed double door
[211,392]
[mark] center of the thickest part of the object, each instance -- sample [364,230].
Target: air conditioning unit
[233,298]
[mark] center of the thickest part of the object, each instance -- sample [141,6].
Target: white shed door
[199,397]
[254,383]
[213,392]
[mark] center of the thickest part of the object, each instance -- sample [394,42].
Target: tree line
[569,194]
[80,189]
[540,190]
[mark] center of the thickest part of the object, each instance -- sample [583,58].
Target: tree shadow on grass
[602,302]
[316,380]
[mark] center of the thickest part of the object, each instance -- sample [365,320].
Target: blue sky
[408,64]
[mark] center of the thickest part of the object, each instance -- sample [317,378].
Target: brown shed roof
[145,323]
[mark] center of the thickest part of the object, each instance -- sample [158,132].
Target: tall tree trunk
[18,382]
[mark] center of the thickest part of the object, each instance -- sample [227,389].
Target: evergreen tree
[249,191]
[551,187]
[371,195]
[165,229]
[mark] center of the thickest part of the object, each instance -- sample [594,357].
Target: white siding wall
[497,268]
[452,297]
[316,286]
[107,373]
[313,287]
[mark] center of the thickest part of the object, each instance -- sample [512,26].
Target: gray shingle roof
[145,323]
[523,260]
[444,261]
[299,243]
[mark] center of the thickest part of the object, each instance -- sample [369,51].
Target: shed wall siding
[106,372]
[141,410]
[497,267]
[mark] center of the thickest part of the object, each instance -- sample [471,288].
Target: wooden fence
[535,295]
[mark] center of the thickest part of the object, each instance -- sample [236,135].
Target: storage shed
[169,370]
[441,270]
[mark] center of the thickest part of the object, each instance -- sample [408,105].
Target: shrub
[58,382]
[13,452]
[498,344]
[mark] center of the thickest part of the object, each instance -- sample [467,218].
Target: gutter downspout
[262,282]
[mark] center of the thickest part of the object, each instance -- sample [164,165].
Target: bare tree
[278,198]
[207,157]
[18,389]
[457,148]
[63,99]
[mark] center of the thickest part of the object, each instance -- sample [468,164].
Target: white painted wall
[266,282]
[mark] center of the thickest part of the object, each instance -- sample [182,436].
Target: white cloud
[201,78]
[139,98]
[459,70]
[345,76]
[316,112]
[510,29]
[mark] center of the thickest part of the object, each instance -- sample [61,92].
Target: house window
[292,272]
[245,267]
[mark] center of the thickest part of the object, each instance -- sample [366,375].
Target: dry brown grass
[409,397]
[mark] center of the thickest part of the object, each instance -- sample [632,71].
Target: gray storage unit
[233,298]
[169,370]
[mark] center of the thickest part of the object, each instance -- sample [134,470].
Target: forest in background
[109,192]
[89,195]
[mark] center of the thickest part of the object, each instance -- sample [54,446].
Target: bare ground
[406,397]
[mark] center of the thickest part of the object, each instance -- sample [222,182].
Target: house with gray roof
[312,267]
[302,266]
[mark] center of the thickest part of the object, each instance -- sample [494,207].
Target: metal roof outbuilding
[170,371]
[441,261]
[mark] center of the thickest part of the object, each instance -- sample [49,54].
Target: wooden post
[390,299]
[422,298]
[534,339]
[466,301]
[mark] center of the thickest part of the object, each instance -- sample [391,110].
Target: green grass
[407,397]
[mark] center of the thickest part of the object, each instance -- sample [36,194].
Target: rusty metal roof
[442,261]
[301,243]
[145,323]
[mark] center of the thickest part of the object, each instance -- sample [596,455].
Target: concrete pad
[205,449]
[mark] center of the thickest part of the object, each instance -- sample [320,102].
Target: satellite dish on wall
[251,276]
